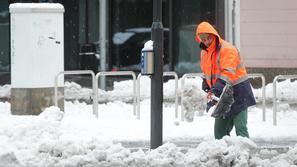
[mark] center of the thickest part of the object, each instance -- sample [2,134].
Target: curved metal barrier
[184,77]
[117,73]
[78,72]
[176,95]
[257,75]
[175,92]
[276,78]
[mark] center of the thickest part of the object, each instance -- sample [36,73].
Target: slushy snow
[76,138]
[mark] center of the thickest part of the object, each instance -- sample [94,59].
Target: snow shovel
[224,102]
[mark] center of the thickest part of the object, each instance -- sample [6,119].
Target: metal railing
[78,72]
[118,73]
[175,91]
[257,75]
[176,95]
[184,77]
[136,89]
[278,77]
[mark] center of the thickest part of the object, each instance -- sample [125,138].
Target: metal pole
[274,99]
[264,98]
[157,78]
[102,37]
[175,91]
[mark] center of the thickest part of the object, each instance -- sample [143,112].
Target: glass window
[4,37]
[186,16]
[131,22]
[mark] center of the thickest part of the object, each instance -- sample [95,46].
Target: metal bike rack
[176,95]
[117,73]
[189,75]
[78,72]
[175,92]
[138,95]
[257,75]
[200,75]
[278,77]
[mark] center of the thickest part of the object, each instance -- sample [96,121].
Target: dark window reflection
[186,15]
[4,37]
[131,22]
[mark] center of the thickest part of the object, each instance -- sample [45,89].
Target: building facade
[128,24]
[268,37]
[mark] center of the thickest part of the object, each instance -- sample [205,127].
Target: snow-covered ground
[76,138]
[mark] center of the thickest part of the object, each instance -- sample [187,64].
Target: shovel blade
[224,103]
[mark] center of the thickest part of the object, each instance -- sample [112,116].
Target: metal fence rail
[276,78]
[176,95]
[254,75]
[175,91]
[257,75]
[78,72]
[117,73]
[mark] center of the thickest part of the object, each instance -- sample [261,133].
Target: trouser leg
[240,123]
[222,127]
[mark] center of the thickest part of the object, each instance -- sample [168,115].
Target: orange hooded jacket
[220,59]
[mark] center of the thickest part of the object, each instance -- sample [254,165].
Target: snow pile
[229,151]
[194,102]
[284,91]
[76,138]
[123,90]
[52,114]
[4,108]
[8,159]
[226,152]
[74,91]
[5,91]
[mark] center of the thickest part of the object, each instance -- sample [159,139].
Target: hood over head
[205,27]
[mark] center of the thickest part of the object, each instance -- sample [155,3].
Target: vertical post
[157,77]
[274,99]
[264,98]
[102,37]
[87,21]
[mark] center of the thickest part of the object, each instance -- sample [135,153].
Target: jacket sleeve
[228,62]
[218,87]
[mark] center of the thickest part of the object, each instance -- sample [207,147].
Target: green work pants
[223,127]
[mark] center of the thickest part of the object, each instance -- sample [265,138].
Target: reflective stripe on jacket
[220,60]
[224,64]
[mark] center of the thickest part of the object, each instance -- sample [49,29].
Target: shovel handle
[215,98]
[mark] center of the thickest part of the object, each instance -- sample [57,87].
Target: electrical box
[147,59]
[37,44]
[37,56]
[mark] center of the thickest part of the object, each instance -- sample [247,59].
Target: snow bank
[229,151]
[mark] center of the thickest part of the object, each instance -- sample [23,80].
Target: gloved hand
[205,86]
[210,104]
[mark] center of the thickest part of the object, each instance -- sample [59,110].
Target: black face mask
[202,46]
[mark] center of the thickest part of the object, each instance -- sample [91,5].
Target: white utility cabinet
[37,44]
